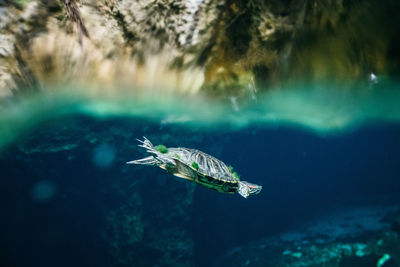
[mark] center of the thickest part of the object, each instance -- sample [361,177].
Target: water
[301,97]
[325,158]
[324,108]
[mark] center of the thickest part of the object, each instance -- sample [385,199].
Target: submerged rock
[360,237]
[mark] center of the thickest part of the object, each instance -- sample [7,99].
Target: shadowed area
[65,207]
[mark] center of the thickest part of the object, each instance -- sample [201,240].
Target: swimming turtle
[198,167]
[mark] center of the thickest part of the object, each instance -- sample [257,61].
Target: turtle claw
[140,140]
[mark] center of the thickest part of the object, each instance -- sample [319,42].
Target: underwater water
[329,170]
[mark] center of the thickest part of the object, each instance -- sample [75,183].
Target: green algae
[161,148]
[231,169]
[195,165]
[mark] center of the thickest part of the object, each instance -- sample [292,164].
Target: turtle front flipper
[246,189]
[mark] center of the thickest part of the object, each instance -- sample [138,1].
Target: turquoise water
[326,156]
[325,108]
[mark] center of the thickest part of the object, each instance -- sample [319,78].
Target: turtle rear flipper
[145,161]
[147,145]
[246,189]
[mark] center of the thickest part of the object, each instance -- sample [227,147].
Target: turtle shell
[205,165]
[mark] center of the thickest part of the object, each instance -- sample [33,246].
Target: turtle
[198,167]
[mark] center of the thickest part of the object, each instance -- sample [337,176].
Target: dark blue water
[304,176]
[63,206]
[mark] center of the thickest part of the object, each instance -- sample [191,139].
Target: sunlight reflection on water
[324,109]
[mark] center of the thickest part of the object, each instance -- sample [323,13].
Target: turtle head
[246,189]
